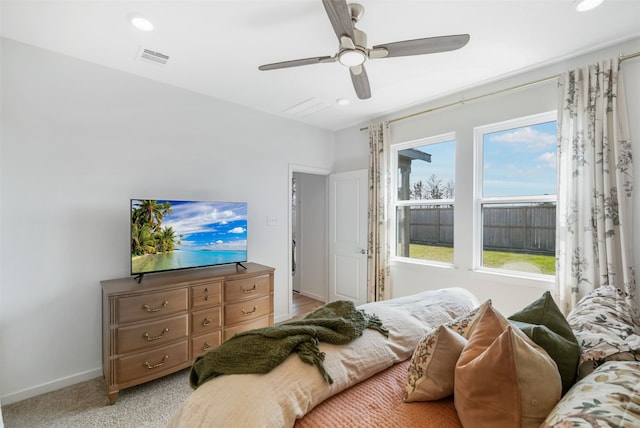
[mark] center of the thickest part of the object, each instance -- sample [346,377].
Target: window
[515,209]
[424,199]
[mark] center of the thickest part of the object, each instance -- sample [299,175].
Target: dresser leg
[113,396]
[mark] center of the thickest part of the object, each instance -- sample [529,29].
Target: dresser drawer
[151,334]
[259,323]
[152,305]
[248,288]
[201,344]
[205,321]
[152,362]
[206,295]
[246,311]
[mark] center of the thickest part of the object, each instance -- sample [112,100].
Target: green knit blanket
[260,350]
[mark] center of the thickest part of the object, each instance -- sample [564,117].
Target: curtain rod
[621,58]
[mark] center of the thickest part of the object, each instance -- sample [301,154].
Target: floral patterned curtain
[595,180]
[378,249]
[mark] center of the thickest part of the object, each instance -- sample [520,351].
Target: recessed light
[342,102]
[141,23]
[584,5]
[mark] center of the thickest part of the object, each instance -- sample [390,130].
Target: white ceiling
[215,46]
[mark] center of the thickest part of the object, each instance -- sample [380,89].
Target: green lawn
[494,259]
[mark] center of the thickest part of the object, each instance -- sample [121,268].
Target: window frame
[479,200]
[395,203]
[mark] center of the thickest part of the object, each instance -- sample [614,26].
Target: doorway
[308,230]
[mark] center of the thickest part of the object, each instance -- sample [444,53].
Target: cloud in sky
[528,136]
[200,217]
[547,159]
[209,225]
[228,246]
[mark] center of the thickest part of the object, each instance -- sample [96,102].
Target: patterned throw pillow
[435,358]
[606,323]
[431,370]
[502,378]
[608,397]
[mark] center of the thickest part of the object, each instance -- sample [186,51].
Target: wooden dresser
[161,325]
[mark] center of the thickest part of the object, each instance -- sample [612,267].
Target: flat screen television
[170,235]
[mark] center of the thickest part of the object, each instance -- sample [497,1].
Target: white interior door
[348,195]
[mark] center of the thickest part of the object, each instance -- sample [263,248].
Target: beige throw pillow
[502,378]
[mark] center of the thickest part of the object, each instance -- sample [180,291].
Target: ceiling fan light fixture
[584,5]
[351,57]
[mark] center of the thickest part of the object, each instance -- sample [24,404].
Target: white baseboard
[50,386]
[282,318]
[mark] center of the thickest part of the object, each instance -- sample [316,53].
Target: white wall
[507,293]
[80,140]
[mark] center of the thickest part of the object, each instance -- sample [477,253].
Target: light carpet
[150,405]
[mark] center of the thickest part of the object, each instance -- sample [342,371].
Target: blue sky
[520,161]
[517,162]
[209,225]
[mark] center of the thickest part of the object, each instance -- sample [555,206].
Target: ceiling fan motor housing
[353,52]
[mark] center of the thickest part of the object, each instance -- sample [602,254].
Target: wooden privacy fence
[524,229]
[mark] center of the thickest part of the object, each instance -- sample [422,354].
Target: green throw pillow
[545,324]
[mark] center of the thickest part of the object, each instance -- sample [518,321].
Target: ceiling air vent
[306,107]
[147,55]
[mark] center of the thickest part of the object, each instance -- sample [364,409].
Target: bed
[372,365]
[450,361]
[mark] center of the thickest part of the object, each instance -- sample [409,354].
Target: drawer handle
[159,308]
[255,308]
[206,297]
[154,366]
[152,338]
[207,321]
[206,346]
[248,290]
[206,290]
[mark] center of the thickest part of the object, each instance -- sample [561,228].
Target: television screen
[169,235]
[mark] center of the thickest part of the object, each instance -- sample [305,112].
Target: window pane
[426,172]
[519,237]
[425,232]
[520,161]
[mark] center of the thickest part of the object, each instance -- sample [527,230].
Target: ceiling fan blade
[297,62]
[427,45]
[340,17]
[360,81]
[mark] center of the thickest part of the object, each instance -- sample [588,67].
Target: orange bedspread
[377,402]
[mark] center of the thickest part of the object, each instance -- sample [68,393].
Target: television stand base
[240,264]
[139,277]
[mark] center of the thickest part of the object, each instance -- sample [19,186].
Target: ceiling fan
[353,51]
